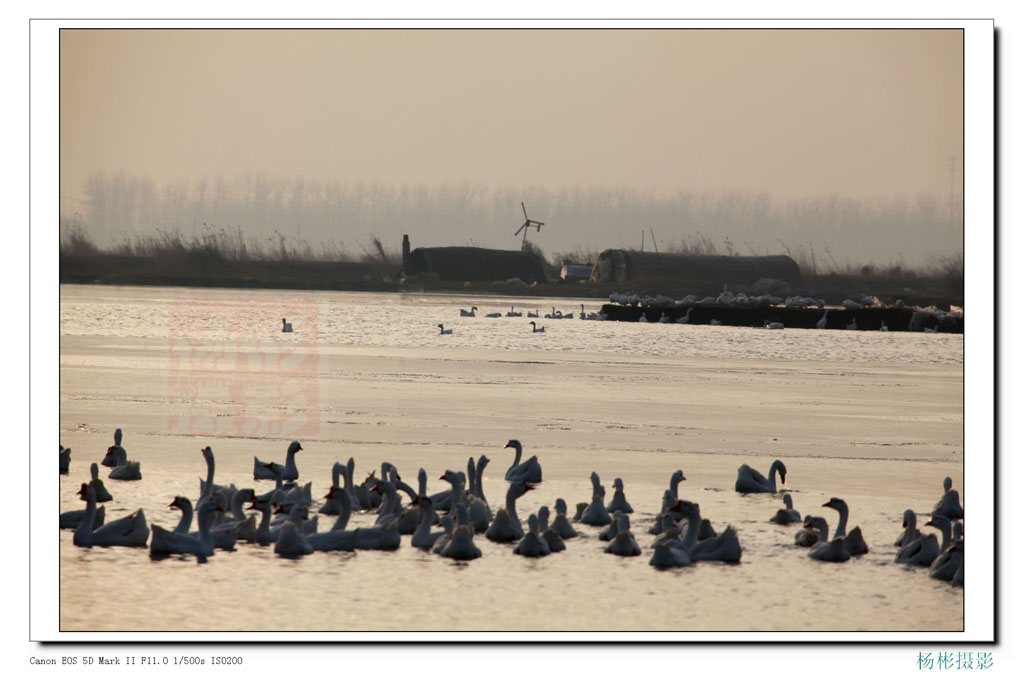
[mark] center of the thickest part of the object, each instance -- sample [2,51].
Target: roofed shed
[618,266]
[463,263]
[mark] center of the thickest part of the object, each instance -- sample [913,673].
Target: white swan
[910,530]
[786,515]
[379,538]
[71,518]
[131,530]
[949,505]
[424,537]
[619,501]
[110,460]
[749,480]
[102,495]
[337,538]
[561,525]
[852,541]
[332,504]
[289,472]
[550,536]
[513,312]
[169,542]
[815,529]
[922,551]
[506,526]
[125,470]
[724,547]
[65,460]
[668,556]
[224,539]
[852,326]
[623,545]
[949,563]
[471,312]
[286,327]
[823,321]
[443,331]
[460,546]
[830,551]
[620,522]
[532,544]
[291,542]
[685,318]
[528,471]
[596,513]
[536,328]
[533,315]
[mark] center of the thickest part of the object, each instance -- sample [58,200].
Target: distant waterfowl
[289,471]
[443,330]
[619,501]
[883,327]
[684,319]
[852,326]
[65,460]
[823,321]
[774,325]
[286,326]
[527,471]
[852,541]
[536,328]
[506,526]
[786,515]
[493,315]
[949,505]
[512,312]
[643,317]
[533,315]
[532,544]
[471,312]
[749,480]
[132,531]
[716,322]
[224,539]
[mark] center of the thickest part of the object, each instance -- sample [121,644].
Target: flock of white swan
[451,521]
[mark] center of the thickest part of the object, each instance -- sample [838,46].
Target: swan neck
[692,531]
[841,529]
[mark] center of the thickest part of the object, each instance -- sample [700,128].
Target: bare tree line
[255,216]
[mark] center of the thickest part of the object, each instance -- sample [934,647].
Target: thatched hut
[462,263]
[699,271]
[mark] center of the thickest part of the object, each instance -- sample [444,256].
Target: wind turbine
[527,224]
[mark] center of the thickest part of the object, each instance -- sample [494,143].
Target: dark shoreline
[214,272]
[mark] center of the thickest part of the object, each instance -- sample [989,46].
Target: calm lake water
[874,418]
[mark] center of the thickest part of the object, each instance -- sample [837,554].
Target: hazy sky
[792,113]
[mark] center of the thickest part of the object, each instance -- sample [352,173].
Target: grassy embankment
[223,258]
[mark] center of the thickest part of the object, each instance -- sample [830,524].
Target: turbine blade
[524,210]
